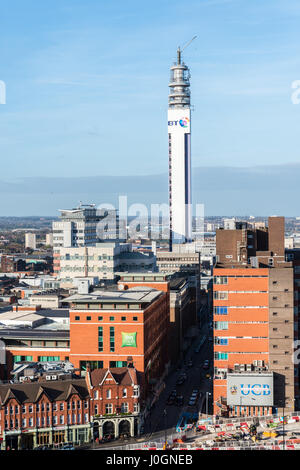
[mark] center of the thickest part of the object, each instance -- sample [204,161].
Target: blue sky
[87,84]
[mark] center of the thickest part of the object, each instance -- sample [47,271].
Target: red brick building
[105,402]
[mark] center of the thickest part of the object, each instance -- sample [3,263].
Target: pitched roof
[59,390]
[121,375]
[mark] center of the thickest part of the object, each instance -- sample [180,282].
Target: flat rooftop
[140,294]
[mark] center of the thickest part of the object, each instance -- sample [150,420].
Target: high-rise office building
[179,130]
[255,322]
[30,240]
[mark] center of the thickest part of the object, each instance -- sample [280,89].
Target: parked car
[206,364]
[192,401]
[171,400]
[179,400]
[190,364]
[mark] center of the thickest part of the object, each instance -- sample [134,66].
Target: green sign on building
[128,340]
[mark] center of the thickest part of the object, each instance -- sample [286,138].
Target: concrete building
[80,227]
[49,239]
[30,240]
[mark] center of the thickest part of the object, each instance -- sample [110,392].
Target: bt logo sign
[184,122]
[255,389]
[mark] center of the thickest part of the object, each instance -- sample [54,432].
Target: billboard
[128,340]
[250,389]
[179,120]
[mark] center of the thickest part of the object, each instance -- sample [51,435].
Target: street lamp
[165,416]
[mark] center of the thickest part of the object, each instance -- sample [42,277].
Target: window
[223,341]
[220,295]
[136,391]
[108,408]
[95,394]
[220,310]
[88,318]
[96,409]
[114,364]
[220,280]
[111,318]
[136,408]
[124,393]
[123,318]
[24,409]
[54,419]
[112,339]
[135,319]
[124,408]
[221,355]
[55,407]
[24,422]
[221,325]
[100,338]
[61,406]
[61,419]
[100,318]
[108,393]
[77,318]
[86,418]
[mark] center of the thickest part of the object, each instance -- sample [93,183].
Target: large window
[22,358]
[220,310]
[124,408]
[221,355]
[222,341]
[48,358]
[112,339]
[220,295]
[220,280]
[221,325]
[114,364]
[93,365]
[108,408]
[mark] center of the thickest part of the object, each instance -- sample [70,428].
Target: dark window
[100,318]
[77,318]
[88,318]
[135,318]
[123,318]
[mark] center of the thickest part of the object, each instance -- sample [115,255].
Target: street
[157,420]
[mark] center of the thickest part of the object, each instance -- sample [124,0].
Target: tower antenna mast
[179,51]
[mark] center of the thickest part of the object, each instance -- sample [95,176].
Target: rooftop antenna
[179,51]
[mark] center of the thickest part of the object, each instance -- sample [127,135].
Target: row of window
[99,364]
[46,421]
[124,408]
[223,325]
[224,279]
[19,358]
[108,393]
[44,407]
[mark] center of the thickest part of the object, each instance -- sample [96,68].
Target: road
[157,420]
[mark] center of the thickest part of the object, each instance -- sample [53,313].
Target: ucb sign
[250,389]
[255,389]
